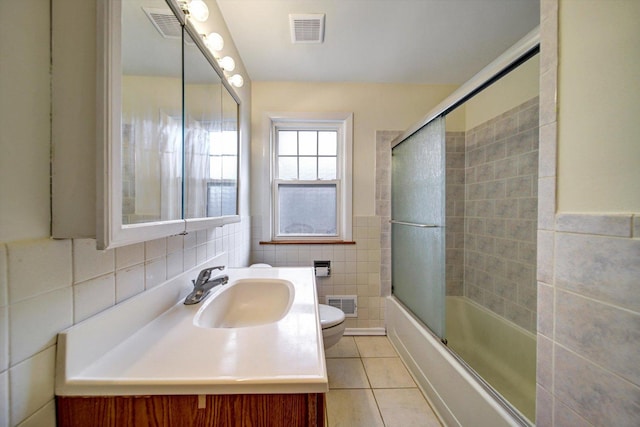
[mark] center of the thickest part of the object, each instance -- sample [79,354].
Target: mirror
[151,115]
[228,153]
[168,124]
[210,139]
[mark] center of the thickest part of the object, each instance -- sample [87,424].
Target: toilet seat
[330,316]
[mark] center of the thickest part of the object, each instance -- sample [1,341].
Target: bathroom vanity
[154,361]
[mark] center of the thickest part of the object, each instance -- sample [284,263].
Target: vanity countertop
[150,345]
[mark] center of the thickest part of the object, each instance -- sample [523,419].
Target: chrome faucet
[204,283]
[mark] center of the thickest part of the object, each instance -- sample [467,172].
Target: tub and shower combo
[462,311]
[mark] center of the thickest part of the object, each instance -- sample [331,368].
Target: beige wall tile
[93,296]
[127,256]
[88,262]
[44,417]
[36,267]
[31,385]
[35,323]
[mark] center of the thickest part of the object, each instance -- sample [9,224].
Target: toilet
[331,320]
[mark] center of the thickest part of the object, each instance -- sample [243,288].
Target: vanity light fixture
[214,42]
[227,63]
[196,9]
[236,80]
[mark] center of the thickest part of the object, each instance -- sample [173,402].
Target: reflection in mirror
[202,132]
[211,139]
[151,113]
[228,175]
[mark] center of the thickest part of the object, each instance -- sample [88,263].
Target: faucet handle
[205,275]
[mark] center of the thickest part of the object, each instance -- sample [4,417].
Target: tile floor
[369,386]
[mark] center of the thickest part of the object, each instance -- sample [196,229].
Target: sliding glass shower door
[418,224]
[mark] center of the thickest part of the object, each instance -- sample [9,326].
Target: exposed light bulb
[198,10]
[236,80]
[227,63]
[214,42]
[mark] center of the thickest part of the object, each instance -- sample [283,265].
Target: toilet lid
[330,316]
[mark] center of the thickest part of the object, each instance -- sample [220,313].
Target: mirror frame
[110,231]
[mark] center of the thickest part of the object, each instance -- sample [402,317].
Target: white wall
[24,120]
[47,285]
[599,112]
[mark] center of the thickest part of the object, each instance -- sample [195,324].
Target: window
[311,178]
[223,172]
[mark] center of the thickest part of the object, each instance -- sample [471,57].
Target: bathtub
[459,398]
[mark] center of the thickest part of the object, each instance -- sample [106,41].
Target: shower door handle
[413,224]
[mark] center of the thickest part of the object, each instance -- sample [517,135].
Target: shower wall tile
[544,407]
[587,326]
[607,225]
[564,416]
[501,214]
[544,357]
[547,157]
[546,203]
[600,267]
[614,398]
[383,202]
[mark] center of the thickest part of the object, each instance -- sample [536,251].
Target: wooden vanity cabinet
[268,410]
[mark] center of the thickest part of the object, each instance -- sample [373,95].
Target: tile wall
[501,210]
[589,323]
[588,302]
[48,285]
[383,203]
[355,269]
[454,212]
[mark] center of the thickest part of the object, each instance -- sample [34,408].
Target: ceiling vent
[165,22]
[307,28]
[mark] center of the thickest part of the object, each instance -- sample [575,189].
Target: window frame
[343,124]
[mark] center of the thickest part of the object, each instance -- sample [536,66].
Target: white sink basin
[246,302]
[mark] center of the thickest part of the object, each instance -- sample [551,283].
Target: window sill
[308,242]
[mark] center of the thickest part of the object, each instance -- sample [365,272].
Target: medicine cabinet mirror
[168,125]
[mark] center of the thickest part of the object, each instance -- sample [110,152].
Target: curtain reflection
[152,168]
[197,158]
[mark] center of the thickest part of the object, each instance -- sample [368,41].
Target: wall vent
[165,22]
[346,303]
[307,28]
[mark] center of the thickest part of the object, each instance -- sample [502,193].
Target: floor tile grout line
[415,387]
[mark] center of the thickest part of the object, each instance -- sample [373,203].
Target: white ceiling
[409,41]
